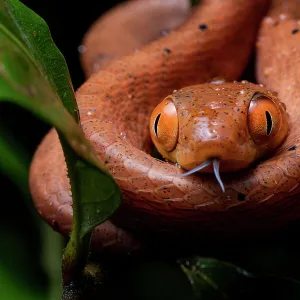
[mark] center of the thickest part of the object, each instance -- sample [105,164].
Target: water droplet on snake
[91,111]
[217,81]
[283,106]
[81,49]
[268,20]
[164,32]
[268,71]
[282,17]
[123,135]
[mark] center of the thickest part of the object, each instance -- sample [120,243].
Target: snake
[179,88]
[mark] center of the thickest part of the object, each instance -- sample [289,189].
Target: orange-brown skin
[127,27]
[115,105]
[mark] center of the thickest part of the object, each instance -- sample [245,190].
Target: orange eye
[264,119]
[164,125]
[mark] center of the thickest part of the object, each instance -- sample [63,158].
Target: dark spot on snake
[168,51]
[275,23]
[294,31]
[292,148]
[203,27]
[241,197]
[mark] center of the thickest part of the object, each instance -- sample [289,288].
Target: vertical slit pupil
[156,124]
[269,122]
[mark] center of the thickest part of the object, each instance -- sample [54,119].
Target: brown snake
[115,105]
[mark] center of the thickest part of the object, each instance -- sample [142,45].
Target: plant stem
[76,253]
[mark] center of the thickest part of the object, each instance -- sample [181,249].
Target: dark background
[20,244]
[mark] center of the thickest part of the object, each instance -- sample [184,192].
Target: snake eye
[164,125]
[264,119]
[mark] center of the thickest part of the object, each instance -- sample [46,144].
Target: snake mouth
[215,162]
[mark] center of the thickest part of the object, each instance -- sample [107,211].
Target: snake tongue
[198,168]
[216,166]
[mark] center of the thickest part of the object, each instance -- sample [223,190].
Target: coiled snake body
[115,105]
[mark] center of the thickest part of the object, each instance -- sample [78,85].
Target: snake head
[233,123]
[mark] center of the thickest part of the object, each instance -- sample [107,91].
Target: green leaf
[34,75]
[213,279]
[103,203]
[194,278]
[21,82]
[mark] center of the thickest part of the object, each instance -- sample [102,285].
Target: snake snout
[231,147]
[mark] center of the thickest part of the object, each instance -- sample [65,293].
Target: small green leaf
[96,207]
[213,279]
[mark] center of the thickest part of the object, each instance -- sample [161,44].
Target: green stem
[76,253]
[75,258]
